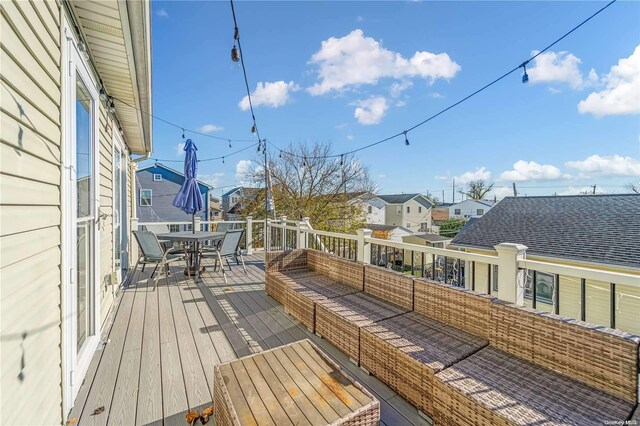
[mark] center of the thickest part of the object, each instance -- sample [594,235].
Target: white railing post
[248,232]
[197,224]
[283,232]
[510,277]
[302,228]
[364,247]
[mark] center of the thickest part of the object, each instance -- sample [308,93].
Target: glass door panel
[85,215]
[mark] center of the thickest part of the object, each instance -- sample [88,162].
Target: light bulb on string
[341,160]
[525,76]
[222,160]
[182,133]
[235,56]
[280,154]
[229,143]
[406,141]
[253,128]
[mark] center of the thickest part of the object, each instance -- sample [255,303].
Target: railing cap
[511,248]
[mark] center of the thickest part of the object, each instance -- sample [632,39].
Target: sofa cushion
[519,392]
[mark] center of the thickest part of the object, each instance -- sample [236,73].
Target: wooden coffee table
[293,384]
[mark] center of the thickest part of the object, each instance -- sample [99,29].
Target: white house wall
[30,239]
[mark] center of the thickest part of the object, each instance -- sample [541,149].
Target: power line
[486,86]
[177,126]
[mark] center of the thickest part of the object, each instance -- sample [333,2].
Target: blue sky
[356,72]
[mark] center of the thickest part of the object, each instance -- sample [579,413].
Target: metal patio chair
[226,249]
[152,252]
[225,226]
[160,228]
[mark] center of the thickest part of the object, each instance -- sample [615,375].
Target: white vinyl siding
[30,252]
[105,137]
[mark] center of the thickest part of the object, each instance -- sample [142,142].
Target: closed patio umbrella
[189,198]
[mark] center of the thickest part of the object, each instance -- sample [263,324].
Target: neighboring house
[235,200]
[388,232]
[66,181]
[470,208]
[156,187]
[411,211]
[373,207]
[439,215]
[426,239]
[215,208]
[590,231]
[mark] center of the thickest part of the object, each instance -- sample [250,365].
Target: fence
[599,296]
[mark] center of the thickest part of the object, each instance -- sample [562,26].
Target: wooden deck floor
[157,362]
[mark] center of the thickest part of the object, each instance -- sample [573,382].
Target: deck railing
[600,296]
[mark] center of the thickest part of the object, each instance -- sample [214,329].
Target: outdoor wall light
[103,94]
[82,48]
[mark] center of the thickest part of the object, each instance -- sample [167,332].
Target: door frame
[76,363]
[119,146]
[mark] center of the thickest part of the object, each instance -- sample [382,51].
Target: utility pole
[443,200]
[594,189]
[453,195]
[515,193]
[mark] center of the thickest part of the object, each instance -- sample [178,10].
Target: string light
[200,160]
[83,50]
[229,143]
[182,133]
[235,56]
[280,154]
[222,160]
[341,160]
[525,78]
[112,107]
[253,128]
[103,94]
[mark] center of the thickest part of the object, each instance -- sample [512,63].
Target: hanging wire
[206,159]
[177,126]
[486,86]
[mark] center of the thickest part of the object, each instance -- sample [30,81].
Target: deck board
[164,343]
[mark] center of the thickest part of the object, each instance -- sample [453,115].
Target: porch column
[510,278]
[302,228]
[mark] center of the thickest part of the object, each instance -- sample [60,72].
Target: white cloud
[441,177]
[558,67]
[435,95]
[341,125]
[350,137]
[244,170]
[370,111]
[622,92]
[354,59]
[274,94]
[359,18]
[400,86]
[499,193]
[383,176]
[524,171]
[479,173]
[574,190]
[213,179]
[180,149]
[163,13]
[210,128]
[614,165]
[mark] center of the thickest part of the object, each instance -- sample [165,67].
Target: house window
[157,177]
[494,278]
[408,209]
[420,209]
[456,212]
[174,228]
[369,209]
[544,286]
[399,209]
[479,212]
[145,197]
[408,224]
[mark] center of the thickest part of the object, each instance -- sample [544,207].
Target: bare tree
[633,186]
[306,182]
[477,189]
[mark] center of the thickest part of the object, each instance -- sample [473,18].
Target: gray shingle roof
[594,228]
[377,227]
[432,238]
[397,198]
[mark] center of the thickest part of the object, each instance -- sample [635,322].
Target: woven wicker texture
[463,309]
[339,320]
[494,387]
[283,260]
[341,270]
[302,296]
[276,282]
[636,416]
[389,285]
[406,351]
[605,359]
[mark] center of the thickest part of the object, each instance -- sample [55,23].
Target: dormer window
[157,177]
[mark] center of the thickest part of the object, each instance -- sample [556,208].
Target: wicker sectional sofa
[461,357]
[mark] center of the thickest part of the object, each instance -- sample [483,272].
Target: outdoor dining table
[195,239]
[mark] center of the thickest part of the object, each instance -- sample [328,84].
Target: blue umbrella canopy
[189,198]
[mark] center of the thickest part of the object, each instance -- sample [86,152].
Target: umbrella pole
[193,223]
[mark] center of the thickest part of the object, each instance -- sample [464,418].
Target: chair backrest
[392,286]
[231,242]
[345,271]
[157,228]
[149,245]
[224,226]
[285,260]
